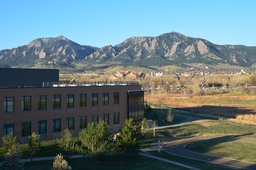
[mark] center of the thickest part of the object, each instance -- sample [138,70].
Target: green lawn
[239,141]
[110,163]
[232,149]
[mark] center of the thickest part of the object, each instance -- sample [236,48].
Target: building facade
[50,109]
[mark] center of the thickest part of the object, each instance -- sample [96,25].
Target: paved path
[48,158]
[178,148]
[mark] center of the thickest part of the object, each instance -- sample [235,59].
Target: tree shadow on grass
[206,145]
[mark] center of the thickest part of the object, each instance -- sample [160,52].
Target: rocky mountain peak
[166,49]
[57,50]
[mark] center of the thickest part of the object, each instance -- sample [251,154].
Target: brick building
[51,107]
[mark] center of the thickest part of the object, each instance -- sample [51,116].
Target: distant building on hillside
[47,106]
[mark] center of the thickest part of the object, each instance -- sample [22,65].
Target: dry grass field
[225,105]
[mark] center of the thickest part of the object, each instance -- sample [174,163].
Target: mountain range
[170,49]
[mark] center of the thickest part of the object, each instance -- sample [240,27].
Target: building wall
[18,116]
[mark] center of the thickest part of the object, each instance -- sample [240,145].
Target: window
[105,98]
[9,129]
[95,99]
[26,103]
[26,129]
[135,105]
[70,101]
[116,98]
[95,118]
[42,102]
[56,101]
[83,122]
[116,118]
[71,122]
[106,118]
[56,125]
[9,104]
[83,100]
[42,127]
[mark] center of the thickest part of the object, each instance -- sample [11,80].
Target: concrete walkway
[178,148]
[49,158]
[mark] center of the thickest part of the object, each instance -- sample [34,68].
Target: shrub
[66,142]
[60,163]
[12,160]
[8,141]
[34,143]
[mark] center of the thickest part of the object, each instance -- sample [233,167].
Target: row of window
[9,103]
[42,124]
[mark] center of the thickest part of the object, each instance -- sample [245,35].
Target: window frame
[116,97]
[95,99]
[106,98]
[24,101]
[95,118]
[106,118]
[26,129]
[83,100]
[42,102]
[83,122]
[56,104]
[116,118]
[55,128]
[40,131]
[71,123]
[7,126]
[70,100]
[7,102]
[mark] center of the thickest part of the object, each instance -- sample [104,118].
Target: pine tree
[127,141]
[96,138]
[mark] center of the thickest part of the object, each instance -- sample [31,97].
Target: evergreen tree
[127,141]
[96,138]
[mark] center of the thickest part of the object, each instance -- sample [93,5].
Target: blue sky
[104,22]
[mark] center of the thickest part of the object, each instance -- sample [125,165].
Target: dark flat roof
[16,77]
